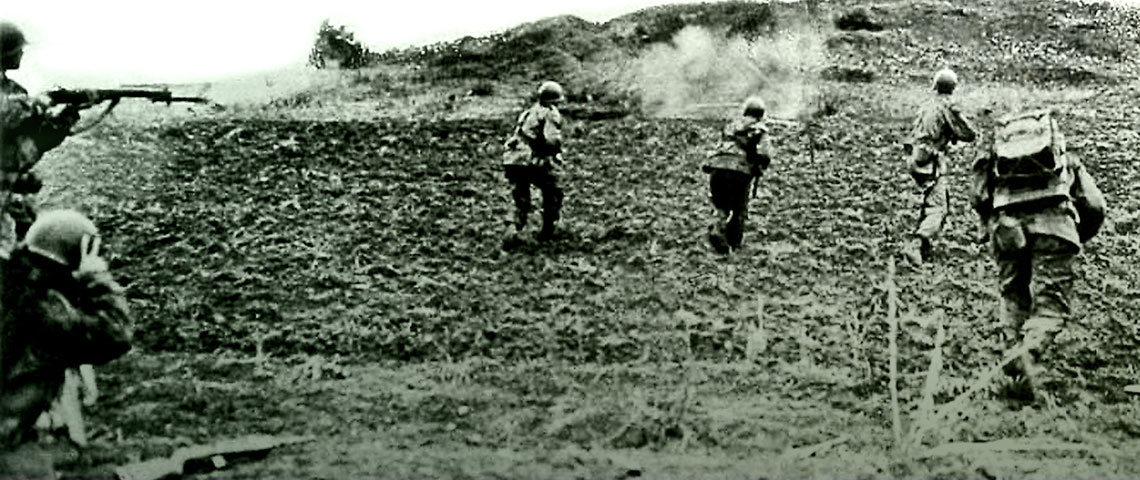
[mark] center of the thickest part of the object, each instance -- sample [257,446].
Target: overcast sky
[136,41]
[108,42]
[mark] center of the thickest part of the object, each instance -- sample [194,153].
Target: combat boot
[547,231]
[717,240]
[914,252]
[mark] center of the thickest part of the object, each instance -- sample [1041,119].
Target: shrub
[857,19]
[337,44]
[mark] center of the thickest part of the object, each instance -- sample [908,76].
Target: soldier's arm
[552,132]
[55,127]
[35,128]
[762,147]
[961,128]
[1088,199]
[529,128]
[981,186]
[92,324]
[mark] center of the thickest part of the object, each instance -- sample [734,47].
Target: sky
[110,42]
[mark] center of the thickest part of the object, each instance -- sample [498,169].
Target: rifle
[84,98]
[63,96]
[205,458]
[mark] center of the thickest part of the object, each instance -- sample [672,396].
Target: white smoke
[701,73]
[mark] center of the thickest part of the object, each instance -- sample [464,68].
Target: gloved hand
[69,115]
[90,391]
[90,263]
[983,233]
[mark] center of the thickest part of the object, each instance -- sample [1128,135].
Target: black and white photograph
[603,239]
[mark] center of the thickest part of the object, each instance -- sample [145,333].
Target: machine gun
[81,97]
[86,98]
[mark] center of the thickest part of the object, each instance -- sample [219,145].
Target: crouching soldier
[741,155]
[534,157]
[938,124]
[59,309]
[1040,205]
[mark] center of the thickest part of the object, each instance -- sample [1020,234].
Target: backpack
[1030,161]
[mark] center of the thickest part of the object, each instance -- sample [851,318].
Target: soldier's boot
[734,229]
[512,239]
[549,223]
[717,239]
[912,251]
[918,250]
[716,235]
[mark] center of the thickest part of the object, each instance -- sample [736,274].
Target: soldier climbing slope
[741,155]
[1040,205]
[938,124]
[534,157]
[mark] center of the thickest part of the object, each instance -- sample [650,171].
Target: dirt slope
[312,273]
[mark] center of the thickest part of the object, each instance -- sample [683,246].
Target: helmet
[550,91]
[753,107]
[945,81]
[58,234]
[11,38]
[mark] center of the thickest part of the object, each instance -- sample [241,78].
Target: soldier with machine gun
[60,309]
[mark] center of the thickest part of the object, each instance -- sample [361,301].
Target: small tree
[337,44]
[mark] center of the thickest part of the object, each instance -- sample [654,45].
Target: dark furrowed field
[296,271]
[364,259]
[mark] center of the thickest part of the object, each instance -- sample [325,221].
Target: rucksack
[1029,158]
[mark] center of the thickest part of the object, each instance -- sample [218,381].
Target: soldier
[1040,205]
[741,155]
[27,129]
[59,309]
[534,157]
[938,124]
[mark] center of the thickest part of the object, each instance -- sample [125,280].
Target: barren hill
[330,263]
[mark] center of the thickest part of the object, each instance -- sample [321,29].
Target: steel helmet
[945,81]
[753,107]
[57,234]
[11,38]
[550,91]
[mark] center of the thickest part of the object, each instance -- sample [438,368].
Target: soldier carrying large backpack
[1039,205]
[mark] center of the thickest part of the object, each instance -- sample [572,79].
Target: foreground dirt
[344,278]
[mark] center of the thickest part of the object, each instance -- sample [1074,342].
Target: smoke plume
[701,73]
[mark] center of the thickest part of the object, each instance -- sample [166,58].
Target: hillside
[329,262]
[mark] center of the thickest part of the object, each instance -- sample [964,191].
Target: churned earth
[329,269]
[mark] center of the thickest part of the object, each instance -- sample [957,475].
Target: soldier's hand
[89,259]
[28,183]
[90,387]
[983,234]
[70,114]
